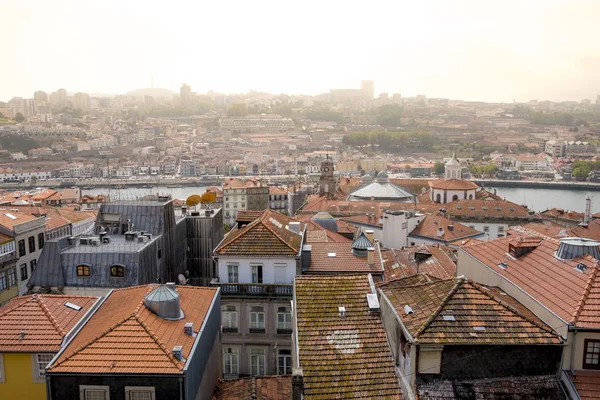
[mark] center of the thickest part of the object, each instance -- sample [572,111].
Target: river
[535,199]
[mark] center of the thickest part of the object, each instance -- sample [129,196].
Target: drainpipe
[180,388]
[573,352]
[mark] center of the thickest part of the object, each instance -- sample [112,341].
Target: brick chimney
[370,234]
[371,256]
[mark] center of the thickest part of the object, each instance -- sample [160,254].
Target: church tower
[326,180]
[453,169]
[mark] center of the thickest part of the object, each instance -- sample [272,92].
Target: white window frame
[129,389]
[233,268]
[39,374]
[286,316]
[258,354]
[254,268]
[277,273]
[229,318]
[233,354]
[255,322]
[286,357]
[83,388]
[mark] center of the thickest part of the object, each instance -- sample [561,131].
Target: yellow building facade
[22,375]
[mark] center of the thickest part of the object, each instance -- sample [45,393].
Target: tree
[19,117]
[34,179]
[2,115]
[439,168]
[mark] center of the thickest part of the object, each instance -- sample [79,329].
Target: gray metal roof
[382,190]
[49,270]
[326,221]
[362,243]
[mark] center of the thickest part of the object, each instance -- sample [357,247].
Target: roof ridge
[511,308]
[445,300]
[246,230]
[8,310]
[275,233]
[253,388]
[158,342]
[586,293]
[49,315]
[94,340]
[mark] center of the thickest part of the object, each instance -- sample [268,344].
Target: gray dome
[382,177]
[164,302]
[325,220]
[366,178]
[361,245]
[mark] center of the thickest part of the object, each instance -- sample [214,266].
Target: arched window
[455,197]
[83,270]
[438,198]
[117,271]
[470,197]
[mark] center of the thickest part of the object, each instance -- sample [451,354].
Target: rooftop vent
[503,265]
[361,245]
[332,255]
[408,310]
[581,267]
[574,247]
[164,302]
[178,352]
[373,302]
[342,311]
[188,329]
[73,306]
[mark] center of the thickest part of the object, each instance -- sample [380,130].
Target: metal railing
[256,290]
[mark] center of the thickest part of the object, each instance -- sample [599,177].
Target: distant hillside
[157,92]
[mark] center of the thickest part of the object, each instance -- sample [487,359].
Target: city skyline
[465,50]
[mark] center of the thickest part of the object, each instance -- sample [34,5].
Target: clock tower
[326,180]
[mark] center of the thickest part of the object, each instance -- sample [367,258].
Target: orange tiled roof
[587,384]
[550,229]
[452,184]
[343,262]
[555,283]
[123,336]
[19,218]
[429,227]
[316,233]
[372,220]
[401,263]
[267,235]
[275,387]
[457,311]
[44,319]
[485,208]
[247,216]
[342,357]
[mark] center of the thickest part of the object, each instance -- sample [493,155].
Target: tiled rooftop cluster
[276,387]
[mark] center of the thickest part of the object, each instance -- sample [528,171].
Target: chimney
[294,226]
[188,329]
[305,257]
[178,352]
[451,227]
[297,384]
[588,212]
[369,234]
[371,256]
[342,311]
[171,285]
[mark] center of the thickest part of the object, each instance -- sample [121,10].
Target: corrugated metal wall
[203,235]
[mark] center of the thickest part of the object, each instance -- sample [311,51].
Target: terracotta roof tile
[342,357]
[19,218]
[555,283]
[442,229]
[275,387]
[452,184]
[43,318]
[448,312]
[123,336]
[247,216]
[587,384]
[402,263]
[486,208]
[344,261]
[316,233]
[267,235]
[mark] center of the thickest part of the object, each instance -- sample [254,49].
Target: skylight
[479,328]
[9,215]
[73,306]
[331,255]
[503,265]
[581,267]
[449,318]
[275,222]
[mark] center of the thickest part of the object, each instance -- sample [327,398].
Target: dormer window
[117,271]
[83,270]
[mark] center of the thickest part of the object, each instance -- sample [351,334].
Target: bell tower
[326,180]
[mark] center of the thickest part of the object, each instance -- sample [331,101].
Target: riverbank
[563,185]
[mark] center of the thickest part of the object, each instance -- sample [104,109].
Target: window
[229,319]
[21,247]
[117,271]
[258,361]
[231,361]
[12,277]
[500,229]
[284,321]
[257,319]
[159,254]
[257,274]
[83,270]
[284,362]
[486,229]
[232,272]
[31,240]
[88,392]
[40,240]
[3,283]
[280,273]
[23,269]
[41,361]
[139,393]
[33,264]
[591,354]
[404,225]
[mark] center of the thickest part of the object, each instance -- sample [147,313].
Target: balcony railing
[229,330]
[254,290]
[257,330]
[281,331]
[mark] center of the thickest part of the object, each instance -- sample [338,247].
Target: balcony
[229,330]
[282,331]
[256,330]
[254,290]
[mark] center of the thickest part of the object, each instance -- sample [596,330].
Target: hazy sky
[474,50]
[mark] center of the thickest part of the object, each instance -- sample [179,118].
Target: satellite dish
[208,197]
[182,280]
[193,200]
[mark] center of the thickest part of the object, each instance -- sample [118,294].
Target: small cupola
[361,246]
[164,302]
